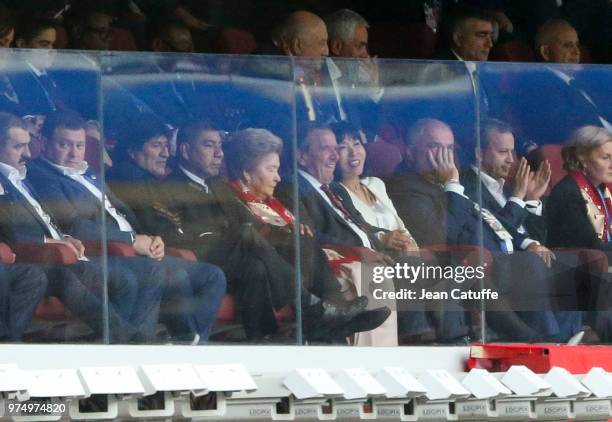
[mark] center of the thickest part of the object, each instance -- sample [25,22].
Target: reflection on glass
[436,203]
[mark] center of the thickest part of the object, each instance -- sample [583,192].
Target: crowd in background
[213,24]
[178,182]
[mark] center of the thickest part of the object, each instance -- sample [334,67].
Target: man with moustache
[133,304]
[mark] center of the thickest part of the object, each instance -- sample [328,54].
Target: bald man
[557,42]
[548,102]
[432,203]
[302,34]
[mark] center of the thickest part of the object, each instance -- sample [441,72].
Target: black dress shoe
[365,321]
[347,310]
[323,320]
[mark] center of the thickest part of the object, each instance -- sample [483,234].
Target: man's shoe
[322,321]
[365,321]
[347,310]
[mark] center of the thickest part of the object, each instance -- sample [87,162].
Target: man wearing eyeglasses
[91,29]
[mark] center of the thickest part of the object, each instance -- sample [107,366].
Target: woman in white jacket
[369,196]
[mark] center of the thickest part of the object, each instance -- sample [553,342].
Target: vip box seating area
[167,198]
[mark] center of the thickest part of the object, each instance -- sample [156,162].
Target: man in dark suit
[546,103]
[133,306]
[431,201]
[336,221]
[334,217]
[469,37]
[192,291]
[194,209]
[519,206]
[73,83]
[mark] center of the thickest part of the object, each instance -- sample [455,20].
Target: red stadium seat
[235,41]
[585,55]
[50,308]
[61,37]
[416,41]
[122,40]
[552,153]
[512,51]
[383,158]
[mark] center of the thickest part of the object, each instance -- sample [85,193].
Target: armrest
[594,259]
[7,256]
[94,248]
[47,253]
[181,253]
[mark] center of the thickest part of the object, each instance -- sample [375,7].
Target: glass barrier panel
[191,164]
[56,286]
[541,176]
[377,144]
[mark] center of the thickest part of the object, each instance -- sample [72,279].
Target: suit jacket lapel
[20,200]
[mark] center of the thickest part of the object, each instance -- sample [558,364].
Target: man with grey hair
[348,34]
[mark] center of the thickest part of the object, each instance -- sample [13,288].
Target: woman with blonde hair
[579,207]
[579,216]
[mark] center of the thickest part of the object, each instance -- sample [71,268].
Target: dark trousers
[262,277]
[192,296]
[22,288]
[80,287]
[146,278]
[544,299]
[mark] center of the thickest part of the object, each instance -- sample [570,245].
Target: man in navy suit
[546,103]
[133,307]
[520,207]
[192,291]
[432,202]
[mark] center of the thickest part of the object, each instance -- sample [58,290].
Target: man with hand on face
[337,223]
[133,305]
[192,291]
[432,202]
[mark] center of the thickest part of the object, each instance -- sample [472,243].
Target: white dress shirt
[317,185]
[194,178]
[496,189]
[78,176]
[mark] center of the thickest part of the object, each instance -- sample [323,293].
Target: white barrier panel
[442,385]
[307,383]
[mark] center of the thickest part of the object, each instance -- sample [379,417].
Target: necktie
[337,202]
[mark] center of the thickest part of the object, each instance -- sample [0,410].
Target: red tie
[337,202]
